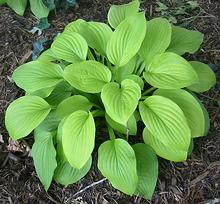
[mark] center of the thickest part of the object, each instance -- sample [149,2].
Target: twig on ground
[86,188]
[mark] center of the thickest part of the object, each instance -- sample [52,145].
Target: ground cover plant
[134,73]
[40,8]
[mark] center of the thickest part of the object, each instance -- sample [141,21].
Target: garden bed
[193,181]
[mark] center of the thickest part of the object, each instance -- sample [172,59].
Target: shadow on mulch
[195,181]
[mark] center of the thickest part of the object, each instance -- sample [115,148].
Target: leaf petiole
[149,91]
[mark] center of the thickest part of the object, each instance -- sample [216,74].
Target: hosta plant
[126,72]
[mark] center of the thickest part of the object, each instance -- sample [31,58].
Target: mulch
[196,180]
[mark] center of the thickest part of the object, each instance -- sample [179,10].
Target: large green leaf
[207,78]
[136,79]
[43,93]
[170,71]
[89,76]
[44,156]
[183,40]
[39,9]
[47,56]
[37,75]
[65,174]
[131,128]
[157,38]
[147,170]
[121,101]
[17,5]
[167,131]
[117,162]
[70,47]
[97,35]
[190,107]
[122,72]
[75,26]
[124,43]
[62,91]
[25,114]
[118,13]
[2,2]
[49,124]
[72,104]
[78,138]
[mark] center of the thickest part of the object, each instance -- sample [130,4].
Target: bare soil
[196,180]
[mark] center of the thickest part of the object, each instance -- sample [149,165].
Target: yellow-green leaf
[75,26]
[37,75]
[131,128]
[72,104]
[117,162]
[124,43]
[39,9]
[70,47]
[62,91]
[190,107]
[97,36]
[207,78]
[24,114]
[147,170]
[166,128]
[78,138]
[65,174]
[170,71]
[44,156]
[183,40]
[121,101]
[157,38]
[18,6]
[89,76]
[117,13]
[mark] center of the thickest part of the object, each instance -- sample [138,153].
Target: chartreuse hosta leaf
[170,71]
[65,174]
[44,156]
[131,128]
[183,40]
[157,38]
[117,13]
[124,43]
[62,91]
[167,131]
[97,35]
[70,47]
[136,79]
[2,2]
[78,138]
[47,56]
[50,123]
[39,9]
[117,162]
[43,93]
[72,104]
[75,26]
[190,107]
[122,72]
[88,76]
[37,75]
[147,170]
[207,78]
[121,101]
[17,5]
[24,114]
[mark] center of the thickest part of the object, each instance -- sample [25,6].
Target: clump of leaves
[177,8]
[129,72]
[40,8]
